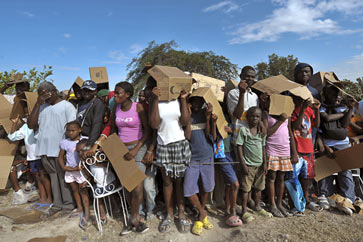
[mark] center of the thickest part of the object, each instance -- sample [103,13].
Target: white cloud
[67,35]
[349,69]
[226,6]
[306,18]
[136,48]
[26,13]
[109,14]
[116,56]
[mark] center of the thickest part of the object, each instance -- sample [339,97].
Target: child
[252,156]
[72,171]
[222,155]
[201,164]
[36,167]
[281,151]
[335,119]
[303,119]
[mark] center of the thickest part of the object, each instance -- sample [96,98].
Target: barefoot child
[252,156]
[203,133]
[36,167]
[72,171]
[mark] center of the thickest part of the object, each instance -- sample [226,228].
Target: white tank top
[170,130]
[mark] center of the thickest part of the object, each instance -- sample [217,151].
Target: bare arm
[154,115]
[185,114]
[238,111]
[296,125]
[214,126]
[62,162]
[275,127]
[208,114]
[294,157]
[347,117]
[241,160]
[331,117]
[34,116]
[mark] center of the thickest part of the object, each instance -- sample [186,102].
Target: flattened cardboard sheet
[231,84]
[214,84]
[79,82]
[98,75]
[346,159]
[7,124]
[320,79]
[171,81]
[279,84]
[281,104]
[127,171]
[5,107]
[7,153]
[209,97]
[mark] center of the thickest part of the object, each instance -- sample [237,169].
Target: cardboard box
[99,75]
[346,159]
[79,82]
[7,153]
[279,84]
[171,81]
[231,84]
[320,79]
[30,99]
[207,94]
[205,81]
[7,124]
[281,104]
[127,171]
[5,107]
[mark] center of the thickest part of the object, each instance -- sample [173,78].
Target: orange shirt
[354,119]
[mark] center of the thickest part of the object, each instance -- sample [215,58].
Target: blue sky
[74,35]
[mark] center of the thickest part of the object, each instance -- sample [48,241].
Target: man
[49,116]
[240,99]
[21,85]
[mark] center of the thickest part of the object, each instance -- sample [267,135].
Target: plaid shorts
[174,158]
[276,163]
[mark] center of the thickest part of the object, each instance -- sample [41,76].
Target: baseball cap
[90,85]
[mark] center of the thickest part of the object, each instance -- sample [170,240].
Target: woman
[129,120]
[172,151]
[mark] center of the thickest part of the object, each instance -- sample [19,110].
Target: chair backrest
[98,167]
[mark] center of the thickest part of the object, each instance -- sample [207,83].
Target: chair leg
[97,214]
[124,207]
[109,203]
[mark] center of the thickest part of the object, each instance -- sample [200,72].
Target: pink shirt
[278,144]
[129,124]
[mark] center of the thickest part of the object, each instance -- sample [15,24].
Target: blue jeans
[149,191]
[344,180]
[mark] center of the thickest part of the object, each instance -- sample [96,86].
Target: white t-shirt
[51,121]
[250,100]
[30,142]
[170,130]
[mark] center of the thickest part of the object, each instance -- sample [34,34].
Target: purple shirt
[69,147]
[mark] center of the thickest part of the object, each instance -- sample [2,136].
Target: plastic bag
[294,187]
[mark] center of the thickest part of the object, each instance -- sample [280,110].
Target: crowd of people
[179,148]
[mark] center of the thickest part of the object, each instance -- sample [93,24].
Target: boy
[201,164]
[252,156]
[303,119]
[335,119]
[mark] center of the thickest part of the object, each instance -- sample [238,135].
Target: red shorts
[309,159]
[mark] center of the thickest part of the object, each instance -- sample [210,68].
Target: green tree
[277,65]
[354,88]
[33,75]
[205,63]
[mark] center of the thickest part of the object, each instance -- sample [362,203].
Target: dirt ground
[323,226]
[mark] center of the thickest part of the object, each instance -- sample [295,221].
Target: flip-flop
[234,221]
[75,214]
[43,206]
[32,207]
[247,218]
[165,225]
[184,226]
[276,212]
[264,213]
[83,222]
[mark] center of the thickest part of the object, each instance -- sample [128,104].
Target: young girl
[69,161]
[281,151]
[172,151]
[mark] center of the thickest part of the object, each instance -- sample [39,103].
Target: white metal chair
[106,185]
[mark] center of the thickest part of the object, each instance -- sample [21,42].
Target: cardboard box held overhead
[216,85]
[231,84]
[30,99]
[128,172]
[7,153]
[208,96]
[279,84]
[281,104]
[346,159]
[171,81]
[5,107]
[320,79]
[99,75]
[79,82]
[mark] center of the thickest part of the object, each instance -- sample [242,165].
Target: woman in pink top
[281,151]
[129,121]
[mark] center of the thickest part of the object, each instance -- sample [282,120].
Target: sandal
[184,226]
[141,228]
[276,212]
[264,213]
[75,214]
[297,213]
[247,218]
[165,225]
[285,212]
[234,221]
[206,224]
[314,207]
[197,228]
[83,222]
